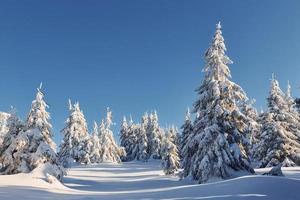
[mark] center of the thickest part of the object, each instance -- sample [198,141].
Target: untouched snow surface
[145,181]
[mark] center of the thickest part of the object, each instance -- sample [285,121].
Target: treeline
[222,135]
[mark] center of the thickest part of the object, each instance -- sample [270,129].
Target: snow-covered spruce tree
[124,133]
[175,135]
[280,133]
[170,156]
[253,126]
[124,137]
[141,153]
[10,126]
[154,136]
[132,141]
[73,147]
[110,151]
[33,146]
[95,147]
[216,145]
[187,130]
[289,99]
[187,152]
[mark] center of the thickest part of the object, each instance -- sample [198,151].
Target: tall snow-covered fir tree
[216,145]
[73,147]
[33,146]
[280,134]
[169,152]
[110,152]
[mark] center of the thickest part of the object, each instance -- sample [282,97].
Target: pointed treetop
[219,25]
[108,117]
[289,90]
[70,104]
[130,119]
[216,59]
[124,119]
[76,106]
[274,83]
[188,114]
[101,128]
[12,110]
[95,128]
[273,77]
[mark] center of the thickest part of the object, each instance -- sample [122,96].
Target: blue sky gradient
[139,55]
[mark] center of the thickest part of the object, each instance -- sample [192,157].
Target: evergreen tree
[216,145]
[95,147]
[175,135]
[11,125]
[33,146]
[280,134]
[253,126]
[187,130]
[170,157]
[141,143]
[124,137]
[132,141]
[73,147]
[154,136]
[110,152]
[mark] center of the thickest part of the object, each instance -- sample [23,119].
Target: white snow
[145,180]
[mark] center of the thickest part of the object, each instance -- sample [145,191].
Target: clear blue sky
[139,55]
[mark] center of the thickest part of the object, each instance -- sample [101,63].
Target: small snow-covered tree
[110,152]
[11,125]
[141,143]
[95,147]
[74,144]
[187,131]
[154,136]
[124,137]
[187,128]
[252,129]
[216,145]
[175,134]
[131,148]
[170,156]
[278,142]
[33,146]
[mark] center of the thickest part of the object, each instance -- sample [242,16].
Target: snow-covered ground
[137,180]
